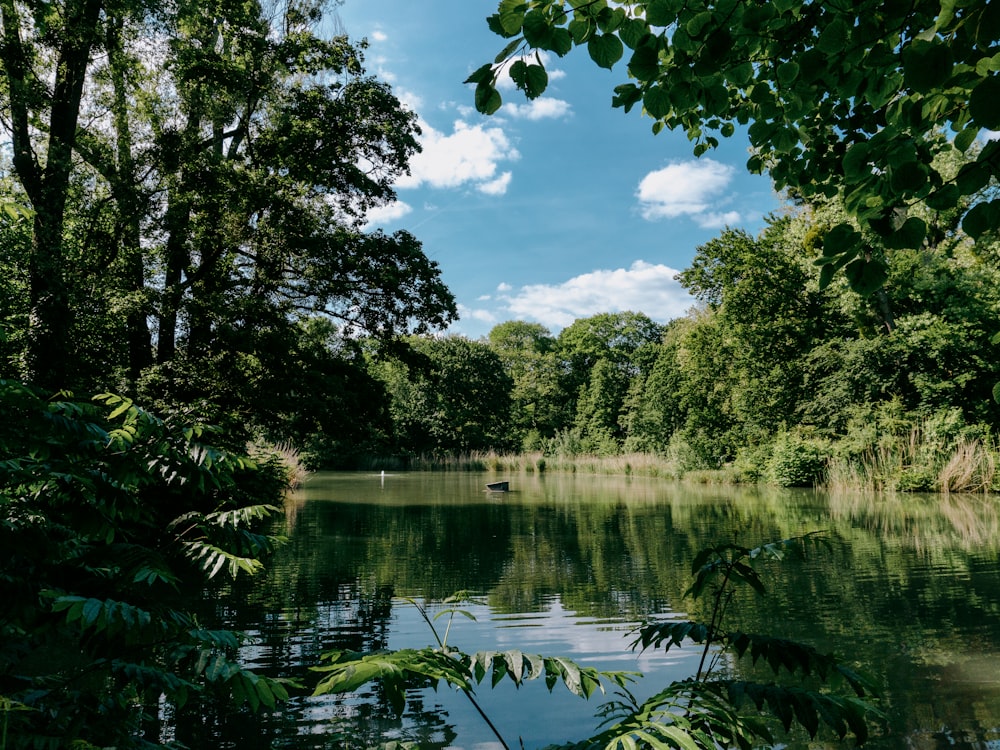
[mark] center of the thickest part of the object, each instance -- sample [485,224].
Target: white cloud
[483,316]
[503,286]
[718,220]
[541,108]
[386,214]
[644,287]
[379,35]
[690,188]
[468,156]
[497,186]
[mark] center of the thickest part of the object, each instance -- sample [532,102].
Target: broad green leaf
[866,276]
[605,50]
[910,235]
[634,33]
[488,99]
[580,29]
[512,15]
[644,63]
[660,13]
[485,72]
[982,218]
[966,138]
[537,29]
[927,65]
[833,39]
[656,101]
[536,80]
[984,103]
[697,25]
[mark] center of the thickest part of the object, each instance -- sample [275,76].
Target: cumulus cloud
[468,156]
[379,36]
[542,108]
[497,186]
[644,287]
[469,313]
[691,188]
[386,214]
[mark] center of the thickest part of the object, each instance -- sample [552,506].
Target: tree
[540,405]
[854,99]
[212,206]
[449,395]
[42,124]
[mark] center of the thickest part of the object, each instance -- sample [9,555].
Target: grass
[917,461]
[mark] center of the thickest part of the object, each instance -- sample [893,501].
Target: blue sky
[549,210]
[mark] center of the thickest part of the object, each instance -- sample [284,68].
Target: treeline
[768,374]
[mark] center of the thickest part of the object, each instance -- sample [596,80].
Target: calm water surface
[567,564]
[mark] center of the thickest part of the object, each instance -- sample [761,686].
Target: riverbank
[916,461]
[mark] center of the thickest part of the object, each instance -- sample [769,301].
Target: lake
[567,564]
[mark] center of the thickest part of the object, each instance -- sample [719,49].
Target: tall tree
[45,56]
[541,406]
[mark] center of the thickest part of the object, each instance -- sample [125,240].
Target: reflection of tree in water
[911,590]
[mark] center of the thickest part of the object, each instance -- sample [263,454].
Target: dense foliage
[196,228]
[109,516]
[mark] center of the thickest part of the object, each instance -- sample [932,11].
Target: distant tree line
[764,352]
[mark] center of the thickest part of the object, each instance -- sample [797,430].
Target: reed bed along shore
[910,463]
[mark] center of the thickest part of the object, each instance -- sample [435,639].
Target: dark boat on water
[498,486]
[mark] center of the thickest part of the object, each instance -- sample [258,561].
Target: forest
[186,283]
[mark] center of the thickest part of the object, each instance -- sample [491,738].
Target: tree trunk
[49,341]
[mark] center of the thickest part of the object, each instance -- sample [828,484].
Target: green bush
[797,462]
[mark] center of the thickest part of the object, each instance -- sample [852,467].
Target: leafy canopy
[858,99]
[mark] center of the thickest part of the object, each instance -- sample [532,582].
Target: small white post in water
[383,477]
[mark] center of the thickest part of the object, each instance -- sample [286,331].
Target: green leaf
[927,65]
[644,63]
[501,56]
[909,236]
[488,99]
[561,42]
[966,138]
[656,101]
[626,95]
[833,39]
[634,33]
[481,74]
[580,29]
[908,177]
[984,103]
[982,218]
[512,15]
[536,80]
[537,29]
[605,50]
[787,72]
[697,25]
[866,276]
[660,13]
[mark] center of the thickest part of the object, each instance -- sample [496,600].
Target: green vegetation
[768,378]
[182,206]
[111,516]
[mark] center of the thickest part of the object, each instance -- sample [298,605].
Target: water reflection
[565,564]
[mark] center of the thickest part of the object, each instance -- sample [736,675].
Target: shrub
[796,462]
